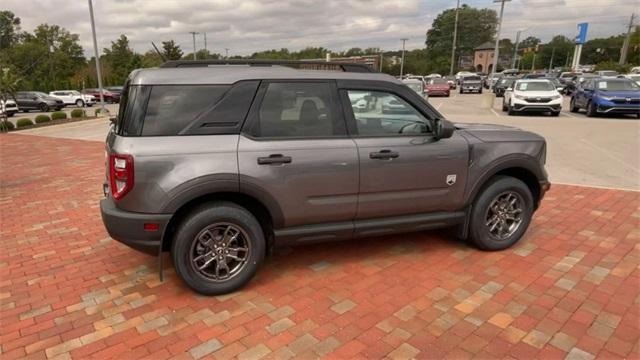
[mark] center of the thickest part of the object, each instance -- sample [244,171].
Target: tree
[171,51]
[560,47]
[9,29]
[529,42]
[475,26]
[120,61]
[8,87]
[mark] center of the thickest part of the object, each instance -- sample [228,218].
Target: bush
[99,110]
[613,65]
[40,119]
[58,115]
[6,126]
[25,122]
[77,113]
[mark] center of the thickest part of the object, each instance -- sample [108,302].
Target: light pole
[193,34]
[95,50]
[402,60]
[226,53]
[455,35]
[496,50]
[515,51]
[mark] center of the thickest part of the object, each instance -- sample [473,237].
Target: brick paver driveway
[570,288]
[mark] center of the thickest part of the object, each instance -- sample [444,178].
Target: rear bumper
[128,227]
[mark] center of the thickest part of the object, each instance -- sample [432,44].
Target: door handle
[274,159]
[384,155]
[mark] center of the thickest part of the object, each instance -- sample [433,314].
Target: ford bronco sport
[218,161]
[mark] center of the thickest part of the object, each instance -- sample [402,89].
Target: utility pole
[95,50]
[533,63]
[226,53]
[455,35]
[553,52]
[515,51]
[496,50]
[193,34]
[381,58]
[402,61]
[205,41]
[627,39]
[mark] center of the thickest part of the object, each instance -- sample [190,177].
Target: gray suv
[219,161]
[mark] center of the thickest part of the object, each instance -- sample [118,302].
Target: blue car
[607,96]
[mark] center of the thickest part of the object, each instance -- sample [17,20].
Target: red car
[438,86]
[109,97]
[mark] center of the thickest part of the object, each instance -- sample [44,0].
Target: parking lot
[569,289]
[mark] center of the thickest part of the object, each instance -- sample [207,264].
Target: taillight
[120,174]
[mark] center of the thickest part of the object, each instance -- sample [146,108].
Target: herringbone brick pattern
[569,289]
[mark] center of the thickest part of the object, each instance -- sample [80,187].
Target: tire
[555,113]
[510,110]
[187,247]
[80,103]
[43,107]
[591,109]
[461,92]
[500,188]
[572,106]
[448,94]
[480,92]
[504,106]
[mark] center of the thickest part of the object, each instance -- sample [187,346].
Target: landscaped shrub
[41,119]
[24,122]
[99,110]
[5,126]
[58,115]
[77,113]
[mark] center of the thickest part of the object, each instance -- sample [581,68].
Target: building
[483,58]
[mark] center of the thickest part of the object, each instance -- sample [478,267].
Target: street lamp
[402,60]
[496,51]
[95,50]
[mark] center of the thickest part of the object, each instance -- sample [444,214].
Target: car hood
[622,94]
[497,133]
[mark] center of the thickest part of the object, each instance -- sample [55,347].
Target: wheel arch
[256,207]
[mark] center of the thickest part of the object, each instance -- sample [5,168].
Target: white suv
[532,95]
[10,107]
[73,97]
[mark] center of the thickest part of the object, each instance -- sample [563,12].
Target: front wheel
[218,248]
[510,109]
[572,105]
[501,214]
[591,109]
[43,107]
[79,103]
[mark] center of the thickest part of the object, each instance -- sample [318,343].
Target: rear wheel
[43,107]
[218,248]
[572,106]
[591,109]
[501,214]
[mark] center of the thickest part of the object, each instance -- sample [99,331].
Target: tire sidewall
[79,103]
[478,230]
[205,216]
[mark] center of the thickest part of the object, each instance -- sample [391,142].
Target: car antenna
[159,53]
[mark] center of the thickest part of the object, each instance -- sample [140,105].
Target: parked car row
[56,100]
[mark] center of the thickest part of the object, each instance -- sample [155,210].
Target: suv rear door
[403,168]
[295,151]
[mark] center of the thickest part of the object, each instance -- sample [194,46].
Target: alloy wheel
[219,252]
[504,215]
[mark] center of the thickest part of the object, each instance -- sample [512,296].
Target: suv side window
[172,107]
[298,110]
[379,113]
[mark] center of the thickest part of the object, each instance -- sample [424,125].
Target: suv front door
[295,151]
[404,169]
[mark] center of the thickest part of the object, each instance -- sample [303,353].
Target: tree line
[50,57]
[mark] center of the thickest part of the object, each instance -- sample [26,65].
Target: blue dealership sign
[581,38]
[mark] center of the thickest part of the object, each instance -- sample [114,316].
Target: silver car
[218,163]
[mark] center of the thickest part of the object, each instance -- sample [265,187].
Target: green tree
[171,51]
[9,29]
[560,46]
[475,26]
[529,42]
[120,59]
[151,59]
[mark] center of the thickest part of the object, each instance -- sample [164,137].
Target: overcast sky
[253,25]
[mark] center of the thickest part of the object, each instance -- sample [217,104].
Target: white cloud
[246,26]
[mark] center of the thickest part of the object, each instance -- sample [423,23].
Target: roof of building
[486,46]
[229,74]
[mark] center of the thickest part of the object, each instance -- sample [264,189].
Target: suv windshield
[472,78]
[617,85]
[438,81]
[535,86]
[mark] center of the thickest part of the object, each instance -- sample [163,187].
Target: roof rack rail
[302,64]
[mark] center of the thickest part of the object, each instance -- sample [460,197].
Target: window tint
[380,113]
[298,110]
[172,107]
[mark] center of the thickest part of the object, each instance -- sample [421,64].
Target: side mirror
[113,119]
[444,129]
